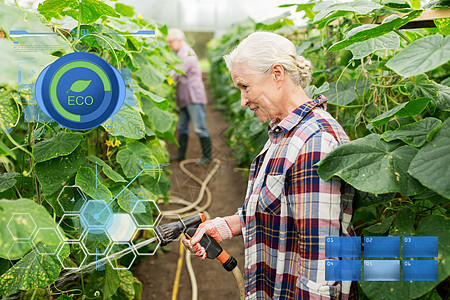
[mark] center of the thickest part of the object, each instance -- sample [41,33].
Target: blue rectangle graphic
[420,246]
[343,246]
[347,270]
[420,270]
[382,246]
[382,270]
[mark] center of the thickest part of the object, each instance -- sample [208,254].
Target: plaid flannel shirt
[289,209]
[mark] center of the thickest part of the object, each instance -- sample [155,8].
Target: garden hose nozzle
[171,231]
[214,250]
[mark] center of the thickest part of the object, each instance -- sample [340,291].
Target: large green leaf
[113,175]
[344,93]
[133,157]
[125,198]
[406,109]
[415,134]
[443,25]
[403,223]
[9,113]
[5,151]
[126,288]
[91,10]
[10,67]
[126,122]
[124,10]
[312,91]
[404,290]
[20,220]
[443,98]
[160,102]
[421,56]
[14,18]
[149,75]
[364,48]
[106,281]
[33,271]
[56,8]
[54,174]
[91,185]
[360,6]
[161,119]
[364,32]
[363,199]
[421,86]
[61,144]
[431,164]
[372,165]
[7,181]
[380,228]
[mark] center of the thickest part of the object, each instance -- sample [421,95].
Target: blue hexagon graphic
[71,199]
[146,213]
[72,222]
[117,250]
[50,234]
[122,228]
[96,244]
[96,216]
[151,241]
[21,226]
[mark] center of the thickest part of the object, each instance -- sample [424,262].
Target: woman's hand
[218,229]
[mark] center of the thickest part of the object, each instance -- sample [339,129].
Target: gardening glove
[217,228]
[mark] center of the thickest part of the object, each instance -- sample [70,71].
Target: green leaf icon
[79,86]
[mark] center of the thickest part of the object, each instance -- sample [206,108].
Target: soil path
[228,187]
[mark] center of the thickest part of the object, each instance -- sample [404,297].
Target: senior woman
[288,210]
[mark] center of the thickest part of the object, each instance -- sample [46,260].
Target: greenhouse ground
[228,191]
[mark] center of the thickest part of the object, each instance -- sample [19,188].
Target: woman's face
[260,93]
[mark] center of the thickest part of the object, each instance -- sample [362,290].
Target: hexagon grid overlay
[77,250]
[100,232]
[96,216]
[71,199]
[21,226]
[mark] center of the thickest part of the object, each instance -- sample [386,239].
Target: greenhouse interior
[205,149]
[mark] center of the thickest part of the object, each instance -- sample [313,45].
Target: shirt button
[248,293]
[250,238]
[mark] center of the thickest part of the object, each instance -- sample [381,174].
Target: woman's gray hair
[176,34]
[261,50]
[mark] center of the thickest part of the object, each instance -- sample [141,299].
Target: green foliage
[415,134]
[7,180]
[86,11]
[389,88]
[101,162]
[61,144]
[365,32]
[131,158]
[21,218]
[33,271]
[430,165]
[372,165]
[430,226]
[421,56]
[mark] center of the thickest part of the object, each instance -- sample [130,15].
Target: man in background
[191,97]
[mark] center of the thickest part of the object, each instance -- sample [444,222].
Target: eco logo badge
[80,90]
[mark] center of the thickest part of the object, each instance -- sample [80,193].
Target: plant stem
[356,18]
[17,144]
[17,4]
[79,20]
[403,36]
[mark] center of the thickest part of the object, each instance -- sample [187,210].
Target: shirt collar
[277,129]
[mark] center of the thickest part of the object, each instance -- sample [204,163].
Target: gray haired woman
[288,210]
